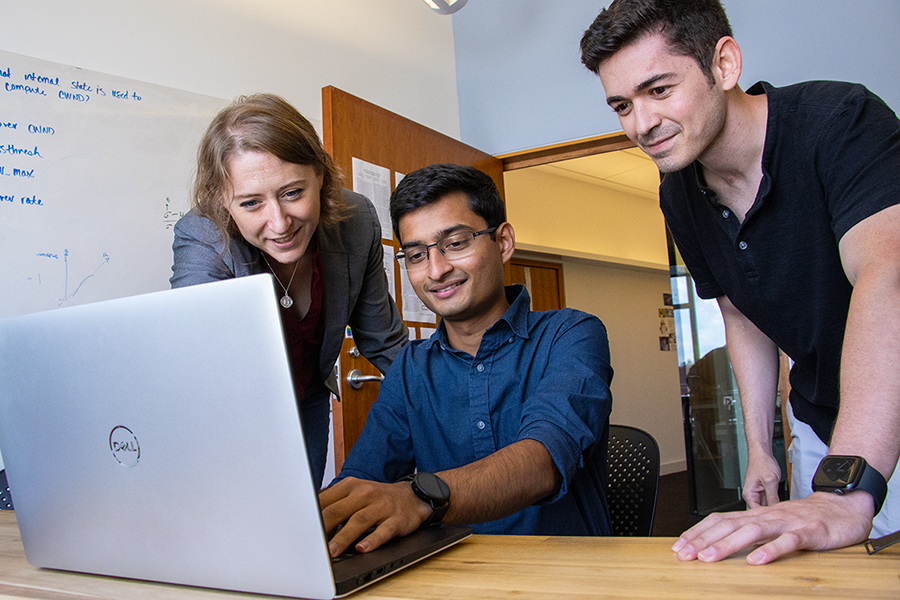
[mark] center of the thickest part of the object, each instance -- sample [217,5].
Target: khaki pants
[805,452]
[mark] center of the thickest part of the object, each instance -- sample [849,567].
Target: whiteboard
[94,172]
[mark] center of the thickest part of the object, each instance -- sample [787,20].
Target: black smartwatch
[433,490]
[845,474]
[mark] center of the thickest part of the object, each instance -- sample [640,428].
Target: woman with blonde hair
[267,198]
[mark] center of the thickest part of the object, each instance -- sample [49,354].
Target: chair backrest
[5,498]
[633,465]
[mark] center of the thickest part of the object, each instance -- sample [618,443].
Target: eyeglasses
[453,247]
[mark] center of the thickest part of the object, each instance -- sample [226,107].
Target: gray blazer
[355,286]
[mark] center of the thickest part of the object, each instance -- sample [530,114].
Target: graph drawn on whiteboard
[95,170]
[73,277]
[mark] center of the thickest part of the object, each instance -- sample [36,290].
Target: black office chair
[633,471]
[5,498]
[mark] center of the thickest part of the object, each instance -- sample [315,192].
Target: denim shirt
[537,375]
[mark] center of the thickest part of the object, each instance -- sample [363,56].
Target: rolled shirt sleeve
[537,375]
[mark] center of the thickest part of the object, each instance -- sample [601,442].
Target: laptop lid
[157,437]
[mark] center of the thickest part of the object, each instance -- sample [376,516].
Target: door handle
[356,379]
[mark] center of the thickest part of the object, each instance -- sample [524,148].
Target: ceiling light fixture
[446,7]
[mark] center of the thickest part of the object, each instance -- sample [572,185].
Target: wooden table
[487,567]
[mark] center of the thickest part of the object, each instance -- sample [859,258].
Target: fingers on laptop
[360,504]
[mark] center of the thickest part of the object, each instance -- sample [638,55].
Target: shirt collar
[515,317]
[517,313]
[765,186]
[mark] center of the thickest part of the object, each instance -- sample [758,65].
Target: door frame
[542,155]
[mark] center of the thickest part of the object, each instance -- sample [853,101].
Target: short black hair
[429,184]
[690,27]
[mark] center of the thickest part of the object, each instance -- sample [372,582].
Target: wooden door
[354,128]
[544,281]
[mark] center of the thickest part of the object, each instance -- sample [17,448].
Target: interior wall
[615,266]
[398,54]
[645,387]
[555,213]
[521,83]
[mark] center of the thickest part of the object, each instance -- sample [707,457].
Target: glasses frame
[400,257]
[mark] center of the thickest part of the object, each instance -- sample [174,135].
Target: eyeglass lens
[453,247]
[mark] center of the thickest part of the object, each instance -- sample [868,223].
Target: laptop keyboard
[350,552]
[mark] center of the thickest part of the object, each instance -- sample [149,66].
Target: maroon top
[304,336]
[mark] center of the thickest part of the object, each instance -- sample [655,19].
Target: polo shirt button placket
[742,245]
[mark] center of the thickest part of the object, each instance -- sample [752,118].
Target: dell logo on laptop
[124,446]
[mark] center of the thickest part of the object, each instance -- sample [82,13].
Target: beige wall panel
[645,387]
[575,217]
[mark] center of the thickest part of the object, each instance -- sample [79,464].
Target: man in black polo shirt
[784,205]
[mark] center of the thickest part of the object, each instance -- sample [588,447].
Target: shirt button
[511,340]
[742,245]
[726,213]
[480,368]
[480,425]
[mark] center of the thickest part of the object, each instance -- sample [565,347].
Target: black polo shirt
[831,159]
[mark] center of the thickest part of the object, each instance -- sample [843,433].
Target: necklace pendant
[286,301]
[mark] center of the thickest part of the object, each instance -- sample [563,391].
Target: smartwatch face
[838,471]
[433,486]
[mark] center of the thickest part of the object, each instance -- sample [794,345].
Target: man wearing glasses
[499,420]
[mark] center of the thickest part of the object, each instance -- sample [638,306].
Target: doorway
[597,215]
[708,424]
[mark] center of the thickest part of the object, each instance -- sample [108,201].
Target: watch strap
[870,480]
[438,509]
[437,515]
[873,482]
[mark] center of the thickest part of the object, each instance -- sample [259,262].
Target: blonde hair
[261,123]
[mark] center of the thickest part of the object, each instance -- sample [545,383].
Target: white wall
[395,53]
[519,74]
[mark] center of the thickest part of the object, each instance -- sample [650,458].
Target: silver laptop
[157,437]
